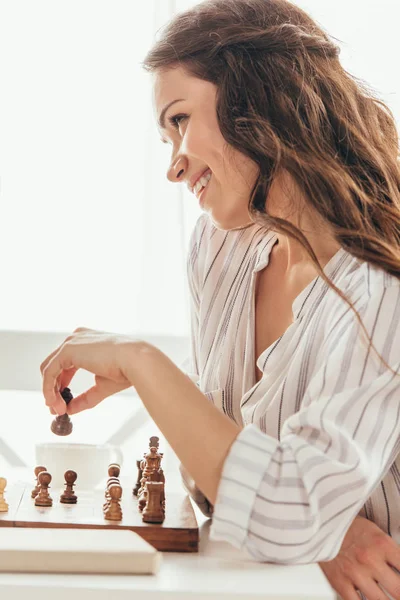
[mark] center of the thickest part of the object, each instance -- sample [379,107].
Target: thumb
[94,395]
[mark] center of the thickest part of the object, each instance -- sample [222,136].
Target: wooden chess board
[178,533]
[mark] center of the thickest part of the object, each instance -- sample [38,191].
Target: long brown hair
[285,101]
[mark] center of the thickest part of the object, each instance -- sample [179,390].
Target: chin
[230,223]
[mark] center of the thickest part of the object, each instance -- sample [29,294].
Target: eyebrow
[161,120]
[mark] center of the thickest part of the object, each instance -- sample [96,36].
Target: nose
[176,170]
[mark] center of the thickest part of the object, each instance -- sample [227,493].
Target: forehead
[176,83]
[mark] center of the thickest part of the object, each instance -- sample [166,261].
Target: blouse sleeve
[292,501]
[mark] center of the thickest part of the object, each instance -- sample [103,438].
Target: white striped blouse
[320,437]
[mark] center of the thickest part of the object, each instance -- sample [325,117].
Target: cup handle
[119,457]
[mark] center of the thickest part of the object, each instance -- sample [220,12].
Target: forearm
[197,431]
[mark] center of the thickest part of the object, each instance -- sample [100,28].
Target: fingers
[371,589]
[51,372]
[88,399]
[93,396]
[66,377]
[390,581]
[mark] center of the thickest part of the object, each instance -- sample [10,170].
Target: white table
[218,571]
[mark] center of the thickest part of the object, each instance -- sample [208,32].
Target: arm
[295,499]
[288,501]
[197,431]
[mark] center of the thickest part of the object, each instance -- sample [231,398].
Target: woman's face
[197,145]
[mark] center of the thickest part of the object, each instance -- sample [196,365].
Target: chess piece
[140,475]
[151,471]
[142,496]
[153,512]
[62,424]
[154,442]
[3,503]
[110,482]
[43,498]
[114,511]
[68,496]
[36,489]
[114,470]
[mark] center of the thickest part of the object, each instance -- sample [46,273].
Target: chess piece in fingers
[62,424]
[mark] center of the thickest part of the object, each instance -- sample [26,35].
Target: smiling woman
[294,270]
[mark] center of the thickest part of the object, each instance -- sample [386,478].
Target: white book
[48,550]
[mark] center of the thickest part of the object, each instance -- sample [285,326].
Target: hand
[202,502]
[365,560]
[103,354]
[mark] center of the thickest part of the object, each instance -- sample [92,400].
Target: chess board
[178,533]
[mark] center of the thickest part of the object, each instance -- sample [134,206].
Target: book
[50,550]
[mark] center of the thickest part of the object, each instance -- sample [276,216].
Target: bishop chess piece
[68,496]
[3,503]
[43,498]
[62,424]
[114,511]
[36,489]
[154,511]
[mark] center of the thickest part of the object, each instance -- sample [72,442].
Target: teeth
[202,182]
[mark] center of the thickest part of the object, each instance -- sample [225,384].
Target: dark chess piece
[68,496]
[140,475]
[154,441]
[43,498]
[36,489]
[62,424]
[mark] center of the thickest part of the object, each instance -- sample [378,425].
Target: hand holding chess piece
[36,489]
[43,498]
[62,424]
[3,503]
[68,496]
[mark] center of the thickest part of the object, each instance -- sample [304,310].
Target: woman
[292,431]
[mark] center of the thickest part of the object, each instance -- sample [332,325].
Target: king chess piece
[68,496]
[43,498]
[62,424]
[151,467]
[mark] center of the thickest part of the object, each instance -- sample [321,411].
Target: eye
[175,121]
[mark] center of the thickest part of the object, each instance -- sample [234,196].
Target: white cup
[90,461]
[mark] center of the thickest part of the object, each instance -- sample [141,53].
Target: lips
[196,178]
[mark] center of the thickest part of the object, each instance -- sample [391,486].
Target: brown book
[24,549]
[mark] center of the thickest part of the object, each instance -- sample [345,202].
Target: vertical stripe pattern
[321,429]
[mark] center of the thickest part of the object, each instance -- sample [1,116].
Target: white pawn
[3,503]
